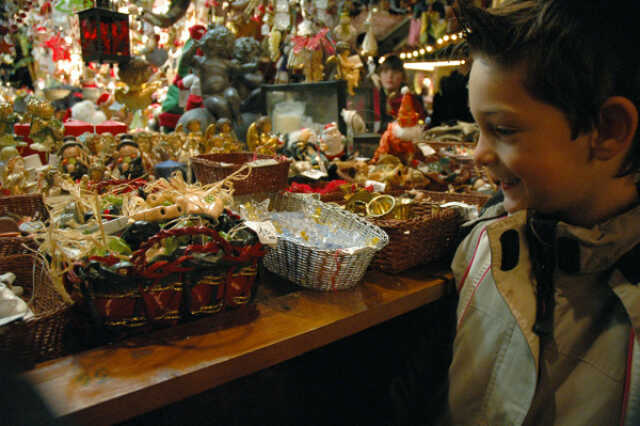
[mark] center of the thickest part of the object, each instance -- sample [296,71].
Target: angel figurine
[194,142]
[46,131]
[137,75]
[347,66]
[260,139]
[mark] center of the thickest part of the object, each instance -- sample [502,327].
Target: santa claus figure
[402,135]
[332,142]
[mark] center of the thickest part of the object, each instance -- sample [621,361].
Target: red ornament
[59,47]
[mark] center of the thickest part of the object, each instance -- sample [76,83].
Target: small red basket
[163,293]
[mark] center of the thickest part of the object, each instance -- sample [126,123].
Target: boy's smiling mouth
[509,183]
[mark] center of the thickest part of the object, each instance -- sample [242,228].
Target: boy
[549,304]
[387,100]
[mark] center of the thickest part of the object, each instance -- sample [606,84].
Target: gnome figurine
[403,134]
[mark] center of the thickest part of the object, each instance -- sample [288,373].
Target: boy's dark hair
[392,63]
[575,53]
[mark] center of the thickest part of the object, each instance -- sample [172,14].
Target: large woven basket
[425,238]
[17,245]
[211,168]
[24,205]
[39,338]
[316,268]
[430,236]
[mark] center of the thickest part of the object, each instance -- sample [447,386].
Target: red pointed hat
[407,115]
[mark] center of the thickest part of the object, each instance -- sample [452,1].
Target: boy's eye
[502,130]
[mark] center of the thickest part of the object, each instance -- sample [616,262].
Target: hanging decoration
[104,34]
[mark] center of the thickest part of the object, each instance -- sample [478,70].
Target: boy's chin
[512,206]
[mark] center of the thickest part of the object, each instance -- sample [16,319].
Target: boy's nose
[483,153]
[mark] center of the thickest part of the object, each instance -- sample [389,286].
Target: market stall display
[143,147]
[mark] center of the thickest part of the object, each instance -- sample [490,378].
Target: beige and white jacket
[496,354]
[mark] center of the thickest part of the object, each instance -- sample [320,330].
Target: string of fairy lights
[445,40]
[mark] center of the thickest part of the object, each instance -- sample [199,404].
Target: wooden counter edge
[114,408]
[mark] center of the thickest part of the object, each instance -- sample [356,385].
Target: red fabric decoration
[193,101]
[313,42]
[45,9]
[111,126]
[60,49]
[67,115]
[169,120]
[197,31]
[77,127]
[102,99]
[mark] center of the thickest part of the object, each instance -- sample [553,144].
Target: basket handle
[163,268]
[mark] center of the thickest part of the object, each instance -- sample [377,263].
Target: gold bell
[380,205]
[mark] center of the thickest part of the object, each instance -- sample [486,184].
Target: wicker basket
[17,245]
[425,238]
[431,235]
[24,205]
[318,269]
[474,198]
[164,293]
[211,168]
[39,338]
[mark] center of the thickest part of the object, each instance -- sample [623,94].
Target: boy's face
[526,145]
[391,79]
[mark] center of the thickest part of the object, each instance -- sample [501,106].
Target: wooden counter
[114,383]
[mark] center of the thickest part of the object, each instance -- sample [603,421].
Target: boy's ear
[616,128]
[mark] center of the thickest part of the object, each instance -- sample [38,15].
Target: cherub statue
[215,69]
[247,51]
[49,181]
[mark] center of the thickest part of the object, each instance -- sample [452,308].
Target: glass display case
[312,105]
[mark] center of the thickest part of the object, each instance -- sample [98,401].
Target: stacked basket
[211,168]
[40,337]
